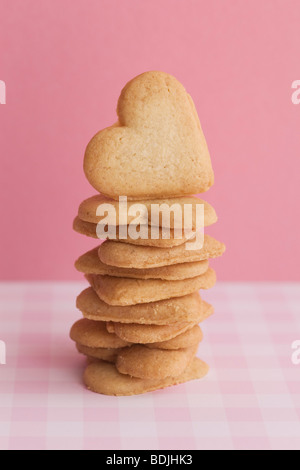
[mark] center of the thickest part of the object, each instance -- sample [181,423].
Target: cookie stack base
[140,328]
[104,378]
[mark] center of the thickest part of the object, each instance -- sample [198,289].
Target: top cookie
[156,149]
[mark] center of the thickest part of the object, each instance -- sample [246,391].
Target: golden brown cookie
[90,230]
[125,291]
[102,377]
[190,337]
[85,228]
[156,148]
[89,263]
[140,361]
[92,335]
[136,333]
[186,308]
[105,354]
[149,211]
[124,255]
[95,335]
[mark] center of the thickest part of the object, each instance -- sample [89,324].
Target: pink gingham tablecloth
[250,399]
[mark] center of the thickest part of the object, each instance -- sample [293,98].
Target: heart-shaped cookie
[101,377]
[157,148]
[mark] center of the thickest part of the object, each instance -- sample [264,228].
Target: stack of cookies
[141,312]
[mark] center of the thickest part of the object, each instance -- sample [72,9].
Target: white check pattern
[250,399]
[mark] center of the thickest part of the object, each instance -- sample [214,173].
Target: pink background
[64,63]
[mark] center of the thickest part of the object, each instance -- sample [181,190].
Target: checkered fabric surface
[250,399]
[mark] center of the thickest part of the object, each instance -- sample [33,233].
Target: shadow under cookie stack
[140,327]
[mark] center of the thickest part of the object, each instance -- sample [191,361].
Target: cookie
[90,230]
[85,333]
[95,335]
[125,291]
[136,333]
[124,255]
[85,228]
[190,337]
[102,377]
[144,363]
[187,308]
[149,211]
[89,263]
[156,148]
[105,354]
